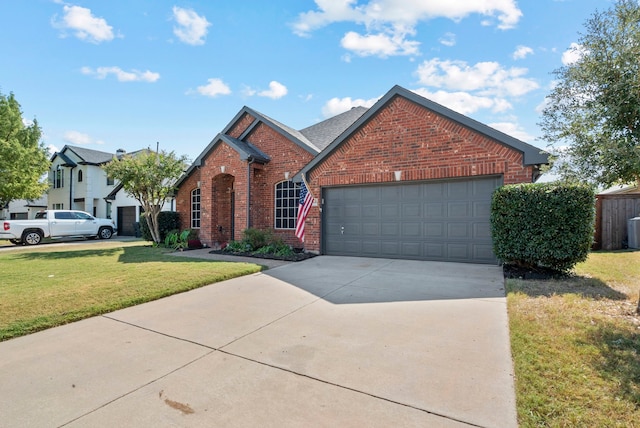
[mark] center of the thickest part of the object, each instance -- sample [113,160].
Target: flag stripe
[304,205]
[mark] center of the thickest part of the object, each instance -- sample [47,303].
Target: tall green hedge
[543,225]
[168,221]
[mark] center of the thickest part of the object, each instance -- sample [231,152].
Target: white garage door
[432,220]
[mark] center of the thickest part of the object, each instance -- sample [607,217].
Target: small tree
[24,160]
[593,112]
[150,178]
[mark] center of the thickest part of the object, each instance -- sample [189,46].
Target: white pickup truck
[56,224]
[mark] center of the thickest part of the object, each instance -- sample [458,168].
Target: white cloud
[191,28]
[79,139]
[403,14]
[464,102]
[329,11]
[339,105]
[513,129]
[213,88]
[121,75]
[449,39]
[276,90]
[573,54]
[52,149]
[486,78]
[389,23]
[382,45]
[521,52]
[85,26]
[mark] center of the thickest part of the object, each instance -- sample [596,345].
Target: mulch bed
[296,257]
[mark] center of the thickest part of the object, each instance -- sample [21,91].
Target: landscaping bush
[168,221]
[257,238]
[543,225]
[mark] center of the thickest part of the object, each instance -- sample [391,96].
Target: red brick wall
[406,137]
[241,125]
[286,156]
[183,199]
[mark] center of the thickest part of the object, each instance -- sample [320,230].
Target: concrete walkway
[331,341]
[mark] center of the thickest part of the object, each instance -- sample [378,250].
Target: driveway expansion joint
[347,388]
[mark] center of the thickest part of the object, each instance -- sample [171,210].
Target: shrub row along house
[406,178]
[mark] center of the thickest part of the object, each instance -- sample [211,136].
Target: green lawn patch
[576,344]
[47,286]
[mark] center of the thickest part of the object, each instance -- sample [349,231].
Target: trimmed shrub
[168,221]
[547,225]
[257,238]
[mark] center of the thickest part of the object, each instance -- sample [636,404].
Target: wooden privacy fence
[612,213]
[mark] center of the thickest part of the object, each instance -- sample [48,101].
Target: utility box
[633,231]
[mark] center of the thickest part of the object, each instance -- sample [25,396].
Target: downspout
[71,187]
[250,160]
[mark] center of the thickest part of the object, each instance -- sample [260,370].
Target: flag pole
[306,184]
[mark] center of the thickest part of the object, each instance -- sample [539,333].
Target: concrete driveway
[331,341]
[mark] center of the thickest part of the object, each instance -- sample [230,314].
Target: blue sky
[128,74]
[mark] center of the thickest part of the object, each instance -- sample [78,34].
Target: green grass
[576,345]
[47,286]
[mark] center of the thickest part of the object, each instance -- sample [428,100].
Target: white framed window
[195,208]
[57,206]
[287,194]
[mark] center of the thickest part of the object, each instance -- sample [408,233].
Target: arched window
[195,208]
[79,176]
[286,204]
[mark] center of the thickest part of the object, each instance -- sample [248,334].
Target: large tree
[150,178]
[24,160]
[592,115]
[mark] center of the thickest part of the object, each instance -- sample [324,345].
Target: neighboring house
[23,209]
[614,207]
[406,178]
[79,182]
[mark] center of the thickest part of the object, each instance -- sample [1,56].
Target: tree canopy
[24,160]
[150,178]
[592,115]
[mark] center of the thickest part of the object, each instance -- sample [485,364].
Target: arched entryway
[223,208]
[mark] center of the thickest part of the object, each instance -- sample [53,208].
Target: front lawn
[576,345]
[46,286]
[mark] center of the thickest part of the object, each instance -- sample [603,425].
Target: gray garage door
[434,220]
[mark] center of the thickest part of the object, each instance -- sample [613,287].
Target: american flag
[304,205]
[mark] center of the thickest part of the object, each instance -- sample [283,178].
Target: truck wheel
[32,237]
[105,233]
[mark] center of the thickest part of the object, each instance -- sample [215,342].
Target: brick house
[406,178]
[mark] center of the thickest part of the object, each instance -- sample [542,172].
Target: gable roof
[67,161]
[286,131]
[531,155]
[87,156]
[323,133]
[246,150]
